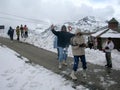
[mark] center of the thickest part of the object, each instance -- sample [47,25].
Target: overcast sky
[59,11]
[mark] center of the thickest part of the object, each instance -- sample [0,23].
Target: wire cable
[30,19]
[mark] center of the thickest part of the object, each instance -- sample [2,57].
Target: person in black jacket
[63,43]
[11,33]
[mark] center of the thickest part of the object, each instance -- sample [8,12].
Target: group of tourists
[62,41]
[20,31]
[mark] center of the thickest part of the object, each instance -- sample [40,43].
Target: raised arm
[53,30]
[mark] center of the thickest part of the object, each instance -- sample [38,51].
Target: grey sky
[59,11]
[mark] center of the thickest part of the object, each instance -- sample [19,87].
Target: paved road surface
[98,77]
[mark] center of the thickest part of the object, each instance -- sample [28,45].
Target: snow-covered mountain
[88,24]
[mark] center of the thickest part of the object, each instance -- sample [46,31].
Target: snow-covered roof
[98,33]
[111,33]
[105,34]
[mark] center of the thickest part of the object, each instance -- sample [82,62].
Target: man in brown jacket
[78,50]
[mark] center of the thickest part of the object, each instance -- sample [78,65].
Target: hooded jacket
[77,49]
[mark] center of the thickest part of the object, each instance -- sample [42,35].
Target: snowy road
[97,76]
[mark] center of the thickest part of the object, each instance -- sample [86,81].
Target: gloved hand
[82,45]
[52,27]
[106,47]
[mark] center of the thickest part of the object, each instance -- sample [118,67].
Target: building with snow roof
[113,31]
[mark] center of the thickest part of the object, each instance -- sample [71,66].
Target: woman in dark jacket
[11,33]
[63,43]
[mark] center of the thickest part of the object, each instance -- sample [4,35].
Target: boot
[106,65]
[64,62]
[72,75]
[84,73]
[110,65]
[60,65]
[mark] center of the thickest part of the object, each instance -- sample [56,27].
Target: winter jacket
[17,31]
[63,38]
[25,29]
[11,32]
[109,46]
[78,48]
[21,29]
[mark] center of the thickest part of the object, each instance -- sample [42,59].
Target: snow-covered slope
[88,24]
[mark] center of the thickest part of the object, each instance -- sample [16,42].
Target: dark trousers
[108,58]
[11,37]
[26,34]
[76,62]
[18,37]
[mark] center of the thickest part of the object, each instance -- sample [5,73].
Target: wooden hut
[112,31]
